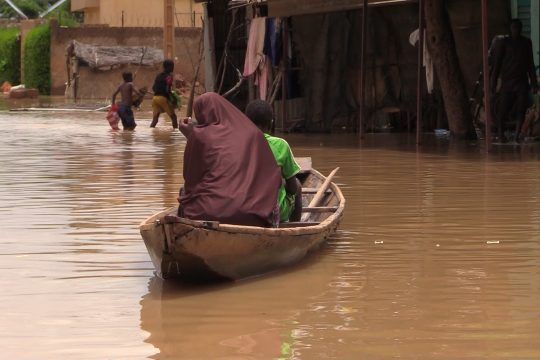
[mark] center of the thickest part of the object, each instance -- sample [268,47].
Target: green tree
[10,55]
[37,59]
[32,8]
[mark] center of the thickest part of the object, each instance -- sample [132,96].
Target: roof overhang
[283,8]
[80,5]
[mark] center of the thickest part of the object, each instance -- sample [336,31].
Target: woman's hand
[186,126]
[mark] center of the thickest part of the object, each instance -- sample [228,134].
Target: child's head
[127,76]
[516,26]
[260,112]
[168,66]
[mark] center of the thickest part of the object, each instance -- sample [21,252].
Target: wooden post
[487,91]
[251,81]
[75,82]
[209,51]
[285,70]
[446,64]
[420,77]
[168,29]
[189,110]
[363,54]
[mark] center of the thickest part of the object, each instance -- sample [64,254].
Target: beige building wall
[137,13]
[91,16]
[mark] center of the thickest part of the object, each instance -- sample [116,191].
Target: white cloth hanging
[428,61]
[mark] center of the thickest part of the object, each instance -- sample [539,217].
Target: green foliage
[10,55]
[32,9]
[37,59]
[65,17]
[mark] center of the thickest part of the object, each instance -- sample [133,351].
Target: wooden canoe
[206,251]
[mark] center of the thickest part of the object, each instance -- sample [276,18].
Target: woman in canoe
[230,174]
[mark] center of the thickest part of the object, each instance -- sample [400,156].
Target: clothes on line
[273,44]
[265,48]
[428,61]
[256,61]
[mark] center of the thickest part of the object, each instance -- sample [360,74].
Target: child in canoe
[290,192]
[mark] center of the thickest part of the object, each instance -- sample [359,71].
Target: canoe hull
[196,251]
[196,254]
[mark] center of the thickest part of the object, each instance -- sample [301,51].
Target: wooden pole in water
[420,77]
[251,81]
[363,70]
[168,29]
[189,110]
[284,76]
[487,92]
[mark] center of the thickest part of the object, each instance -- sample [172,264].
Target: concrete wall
[101,84]
[136,13]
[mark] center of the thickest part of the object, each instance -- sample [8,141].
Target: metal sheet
[303,7]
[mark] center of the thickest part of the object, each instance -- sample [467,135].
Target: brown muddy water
[438,255]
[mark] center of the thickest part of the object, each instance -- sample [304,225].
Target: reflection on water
[438,256]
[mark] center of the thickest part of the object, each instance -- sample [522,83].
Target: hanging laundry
[256,61]
[428,61]
[273,44]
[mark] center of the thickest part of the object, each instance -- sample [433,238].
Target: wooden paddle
[189,110]
[320,194]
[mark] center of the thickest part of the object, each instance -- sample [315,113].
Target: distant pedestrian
[126,90]
[163,99]
[514,64]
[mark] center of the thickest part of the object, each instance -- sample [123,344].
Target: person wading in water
[163,97]
[126,90]
[514,64]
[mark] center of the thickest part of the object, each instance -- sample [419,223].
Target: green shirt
[289,168]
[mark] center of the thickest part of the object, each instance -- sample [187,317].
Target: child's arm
[289,169]
[292,185]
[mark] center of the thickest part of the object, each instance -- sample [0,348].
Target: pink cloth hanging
[256,61]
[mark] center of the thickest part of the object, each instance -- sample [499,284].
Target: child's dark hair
[168,66]
[127,76]
[260,112]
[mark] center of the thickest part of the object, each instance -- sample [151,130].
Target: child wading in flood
[163,97]
[126,90]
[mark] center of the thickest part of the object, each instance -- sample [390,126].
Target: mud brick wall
[96,84]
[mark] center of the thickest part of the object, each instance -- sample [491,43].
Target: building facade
[137,13]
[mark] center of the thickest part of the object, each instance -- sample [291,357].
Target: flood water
[437,257]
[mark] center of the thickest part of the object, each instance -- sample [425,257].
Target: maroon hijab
[230,173]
